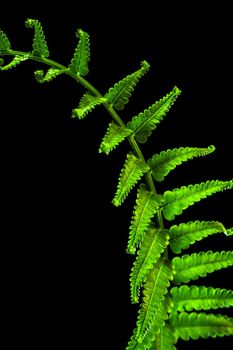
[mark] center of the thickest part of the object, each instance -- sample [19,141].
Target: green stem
[109,108]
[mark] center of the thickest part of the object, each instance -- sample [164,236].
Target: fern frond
[51,74]
[182,236]
[161,164]
[143,124]
[155,288]
[154,243]
[118,95]
[4,42]
[179,199]
[191,267]
[165,339]
[201,325]
[87,103]
[40,47]
[131,173]
[15,62]
[147,204]
[187,298]
[114,136]
[79,63]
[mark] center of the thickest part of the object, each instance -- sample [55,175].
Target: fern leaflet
[187,298]
[40,47]
[161,164]
[154,243]
[143,124]
[4,42]
[185,234]
[191,267]
[179,199]
[154,292]
[147,204]
[79,63]
[114,136]
[51,74]
[15,62]
[118,96]
[131,173]
[87,103]
[165,339]
[230,231]
[201,325]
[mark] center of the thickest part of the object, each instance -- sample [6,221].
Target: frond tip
[79,63]
[4,42]
[131,173]
[15,62]
[40,47]
[179,199]
[51,74]
[118,95]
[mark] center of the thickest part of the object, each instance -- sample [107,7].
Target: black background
[65,271]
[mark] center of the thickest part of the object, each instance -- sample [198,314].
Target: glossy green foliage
[191,267]
[179,199]
[79,63]
[143,124]
[114,136]
[161,164]
[153,245]
[201,325]
[183,235]
[40,47]
[118,96]
[187,298]
[131,173]
[4,42]
[158,278]
[147,204]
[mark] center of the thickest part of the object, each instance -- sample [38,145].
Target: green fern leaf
[147,204]
[131,173]
[114,136]
[154,243]
[143,124]
[118,96]
[191,267]
[179,199]
[230,232]
[15,62]
[154,292]
[40,47]
[161,164]
[4,42]
[79,63]
[201,325]
[87,103]
[185,234]
[187,298]
[165,339]
[51,74]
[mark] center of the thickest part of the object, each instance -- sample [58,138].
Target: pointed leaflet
[118,96]
[201,325]
[79,63]
[15,62]
[147,204]
[40,47]
[154,243]
[131,173]
[154,293]
[177,200]
[143,124]
[114,136]
[161,164]
[185,234]
[191,267]
[187,298]
[4,42]
[51,74]
[87,103]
